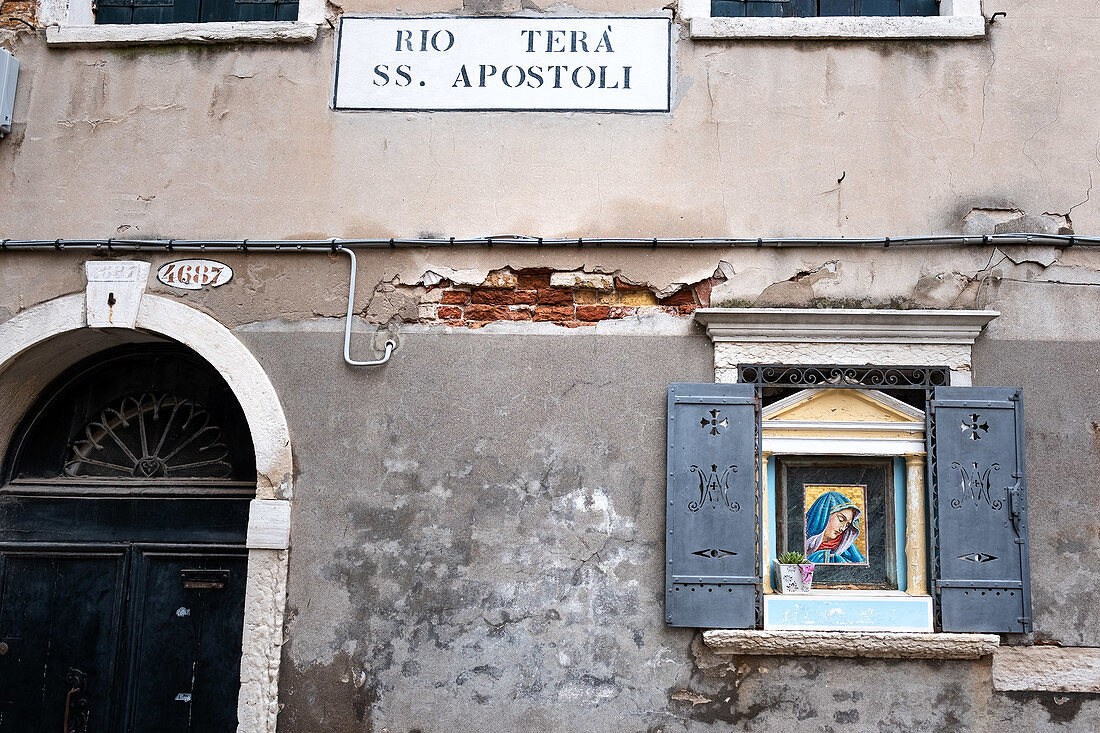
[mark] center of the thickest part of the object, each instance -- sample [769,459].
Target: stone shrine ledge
[875,644]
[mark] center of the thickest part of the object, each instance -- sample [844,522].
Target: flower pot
[795,578]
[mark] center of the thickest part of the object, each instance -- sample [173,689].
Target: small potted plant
[796,573]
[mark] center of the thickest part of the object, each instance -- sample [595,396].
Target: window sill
[62,36]
[848,610]
[874,644]
[945,27]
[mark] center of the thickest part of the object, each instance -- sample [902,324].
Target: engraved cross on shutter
[980,502]
[712,573]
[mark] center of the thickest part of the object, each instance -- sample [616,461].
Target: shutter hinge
[1025,620]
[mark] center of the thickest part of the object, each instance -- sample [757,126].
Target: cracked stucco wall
[766,139]
[478,526]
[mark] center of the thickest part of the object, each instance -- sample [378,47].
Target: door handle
[76,703]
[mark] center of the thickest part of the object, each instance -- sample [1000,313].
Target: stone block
[268,524]
[638,298]
[1047,669]
[114,292]
[874,644]
[501,279]
[589,280]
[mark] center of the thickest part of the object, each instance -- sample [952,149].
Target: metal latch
[203,579]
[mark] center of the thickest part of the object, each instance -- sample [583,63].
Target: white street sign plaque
[550,64]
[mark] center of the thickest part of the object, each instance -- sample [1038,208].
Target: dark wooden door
[123,513]
[59,614]
[185,644]
[151,633]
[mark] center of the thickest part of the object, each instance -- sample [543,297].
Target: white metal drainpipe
[390,343]
[346,246]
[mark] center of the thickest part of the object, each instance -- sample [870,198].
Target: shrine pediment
[834,405]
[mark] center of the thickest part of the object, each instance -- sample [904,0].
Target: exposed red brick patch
[526,295]
[486,313]
[683,296]
[533,279]
[556,296]
[554,313]
[703,289]
[593,312]
[455,297]
[494,297]
[18,13]
[450,312]
[624,287]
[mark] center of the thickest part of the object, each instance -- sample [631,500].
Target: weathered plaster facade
[476,538]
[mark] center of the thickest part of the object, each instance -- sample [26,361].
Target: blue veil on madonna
[816,520]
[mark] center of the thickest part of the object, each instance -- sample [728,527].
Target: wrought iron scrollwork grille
[150,436]
[852,377]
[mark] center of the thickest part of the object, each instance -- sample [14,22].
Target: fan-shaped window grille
[152,435]
[136,418]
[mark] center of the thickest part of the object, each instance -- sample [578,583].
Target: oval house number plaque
[194,274]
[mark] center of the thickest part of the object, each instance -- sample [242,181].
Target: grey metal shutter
[712,520]
[979,504]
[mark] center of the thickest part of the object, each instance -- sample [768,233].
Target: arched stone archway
[269,515]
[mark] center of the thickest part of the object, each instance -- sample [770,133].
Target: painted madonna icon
[832,530]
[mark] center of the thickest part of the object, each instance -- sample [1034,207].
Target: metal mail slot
[203,579]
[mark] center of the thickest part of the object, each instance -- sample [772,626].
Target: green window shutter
[712,509]
[979,509]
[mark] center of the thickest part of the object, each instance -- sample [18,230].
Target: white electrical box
[9,72]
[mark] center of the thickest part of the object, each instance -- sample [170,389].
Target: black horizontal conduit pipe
[332,245]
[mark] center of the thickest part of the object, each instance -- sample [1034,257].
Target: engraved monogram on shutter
[974,482]
[714,489]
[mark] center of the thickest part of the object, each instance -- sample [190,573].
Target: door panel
[187,617]
[59,610]
[122,519]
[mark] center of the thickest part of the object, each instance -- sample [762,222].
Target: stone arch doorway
[123,518]
[41,341]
